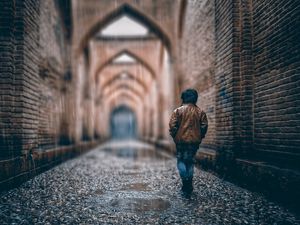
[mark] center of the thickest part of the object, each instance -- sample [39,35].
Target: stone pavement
[132,183]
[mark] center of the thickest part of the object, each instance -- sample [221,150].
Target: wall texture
[257,94]
[53,49]
[33,51]
[7,81]
[197,60]
[20,64]
[277,79]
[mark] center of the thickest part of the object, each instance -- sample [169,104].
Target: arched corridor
[78,75]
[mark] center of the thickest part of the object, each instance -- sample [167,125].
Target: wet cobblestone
[132,185]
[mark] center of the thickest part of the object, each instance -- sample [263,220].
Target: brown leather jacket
[188,124]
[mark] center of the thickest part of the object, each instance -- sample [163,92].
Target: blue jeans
[185,160]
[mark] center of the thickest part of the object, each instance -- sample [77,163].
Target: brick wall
[234,77]
[223,76]
[257,79]
[6,78]
[196,58]
[18,74]
[29,72]
[33,62]
[257,95]
[277,80]
[52,66]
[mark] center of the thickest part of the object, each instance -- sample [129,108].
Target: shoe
[187,188]
[185,194]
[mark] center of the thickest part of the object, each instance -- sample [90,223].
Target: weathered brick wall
[29,73]
[257,78]
[277,80]
[257,94]
[234,77]
[7,15]
[33,63]
[20,51]
[196,57]
[223,77]
[243,82]
[52,66]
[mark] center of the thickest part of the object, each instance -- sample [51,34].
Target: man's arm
[173,124]
[204,124]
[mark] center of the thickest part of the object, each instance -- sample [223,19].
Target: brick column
[234,74]
[19,73]
[7,134]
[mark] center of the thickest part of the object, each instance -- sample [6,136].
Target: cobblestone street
[132,183]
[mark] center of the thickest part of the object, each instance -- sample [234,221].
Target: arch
[117,107]
[123,122]
[128,9]
[112,101]
[129,102]
[129,77]
[126,98]
[121,87]
[124,93]
[120,83]
[137,71]
[138,60]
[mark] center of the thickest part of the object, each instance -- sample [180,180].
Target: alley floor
[132,183]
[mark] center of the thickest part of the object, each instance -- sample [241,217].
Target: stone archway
[123,123]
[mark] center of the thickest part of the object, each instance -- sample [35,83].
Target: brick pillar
[19,52]
[7,14]
[246,74]
[234,126]
[27,71]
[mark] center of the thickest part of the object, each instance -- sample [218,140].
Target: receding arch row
[136,72]
[125,90]
[129,77]
[109,62]
[121,87]
[122,93]
[125,9]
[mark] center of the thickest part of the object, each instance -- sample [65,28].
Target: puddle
[136,187]
[140,205]
[136,153]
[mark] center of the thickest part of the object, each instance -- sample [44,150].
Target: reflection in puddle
[133,193]
[136,153]
[140,204]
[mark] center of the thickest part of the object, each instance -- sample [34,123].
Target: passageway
[130,182]
[106,75]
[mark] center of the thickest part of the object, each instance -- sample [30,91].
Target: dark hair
[189,96]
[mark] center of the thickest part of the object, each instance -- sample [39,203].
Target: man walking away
[188,126]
